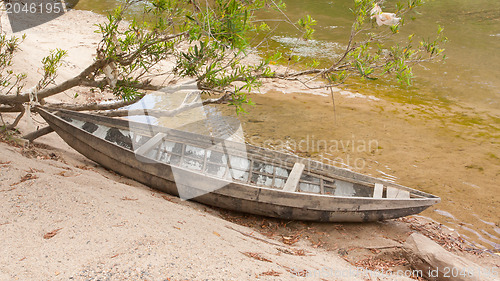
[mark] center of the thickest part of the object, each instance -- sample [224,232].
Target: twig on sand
[256,256]
[27,177]
[51,234]
[129,199]
[380,248]
[269,273]
[257,238]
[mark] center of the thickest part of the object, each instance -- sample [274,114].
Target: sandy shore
[64,217]
[70,219]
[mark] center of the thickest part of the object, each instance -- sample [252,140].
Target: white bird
[376,10]
[383,18]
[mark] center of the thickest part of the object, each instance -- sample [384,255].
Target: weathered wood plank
[378,190]
[292,182]
[403,194]
[397,193]
[150,144]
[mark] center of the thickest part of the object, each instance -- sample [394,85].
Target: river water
[469,80]
[471,73]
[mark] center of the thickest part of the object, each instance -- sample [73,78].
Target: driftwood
[438,264]
[38,133]
[11,108]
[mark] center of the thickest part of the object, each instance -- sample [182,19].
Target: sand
[112,228]
[64,217]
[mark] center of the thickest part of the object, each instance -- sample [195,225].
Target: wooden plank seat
[150,144]
[292,183]
[378,191]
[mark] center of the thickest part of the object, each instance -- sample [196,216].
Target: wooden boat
[233,175]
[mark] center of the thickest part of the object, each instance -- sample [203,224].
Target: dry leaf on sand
[51,234]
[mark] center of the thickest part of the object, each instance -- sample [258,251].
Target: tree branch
[94,105]
[16,122]
[38,133]
[11,108]
[225,98]
[139,86]
[66,85]
[150,112]
[124,61]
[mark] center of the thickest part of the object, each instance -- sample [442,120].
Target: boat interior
[233,161]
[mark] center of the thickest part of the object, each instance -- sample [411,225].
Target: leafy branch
[211,42]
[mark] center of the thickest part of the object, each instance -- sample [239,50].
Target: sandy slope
[111,227]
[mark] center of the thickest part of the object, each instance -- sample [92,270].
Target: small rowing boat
[233,175]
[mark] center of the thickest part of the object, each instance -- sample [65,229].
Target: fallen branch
[38,133]
[11,108]
[256,238]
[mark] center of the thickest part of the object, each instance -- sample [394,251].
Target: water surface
[470,75]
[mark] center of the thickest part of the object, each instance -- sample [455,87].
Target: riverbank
[442,151]
[63,216]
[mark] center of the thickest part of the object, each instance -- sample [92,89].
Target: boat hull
[233,195]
